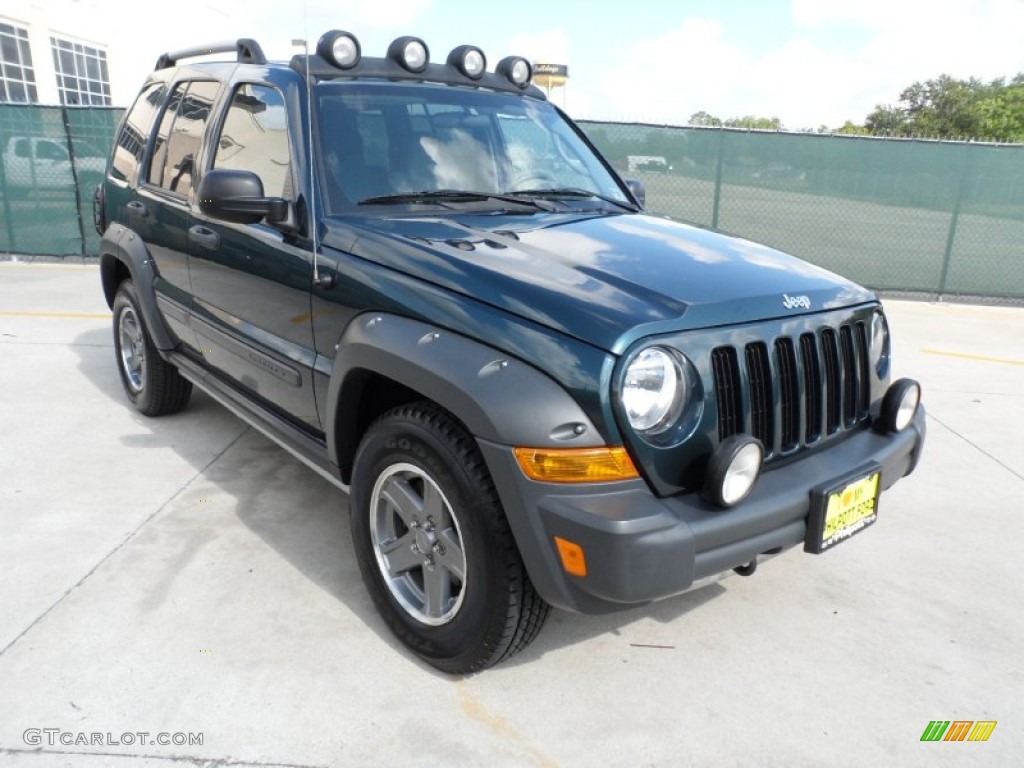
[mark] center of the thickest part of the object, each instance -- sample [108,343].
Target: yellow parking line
[44,265]
[966,356]
[76,315]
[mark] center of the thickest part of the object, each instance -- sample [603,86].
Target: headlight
[654,390]
[880,344]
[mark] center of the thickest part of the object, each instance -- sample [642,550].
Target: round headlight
[880,344]
[339,48]
[411,52]
[516,69]
[654,390]
[469,60]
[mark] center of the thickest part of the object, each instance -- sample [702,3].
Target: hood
[605,279]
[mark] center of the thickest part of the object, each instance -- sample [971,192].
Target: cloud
[839,60]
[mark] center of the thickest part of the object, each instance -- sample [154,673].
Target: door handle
[204,237]
[137,208]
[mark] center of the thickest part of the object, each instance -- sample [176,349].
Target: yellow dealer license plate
[838,513]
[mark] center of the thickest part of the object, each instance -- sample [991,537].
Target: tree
[752,122]
[703,118]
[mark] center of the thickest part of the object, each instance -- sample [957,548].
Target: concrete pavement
[185,576]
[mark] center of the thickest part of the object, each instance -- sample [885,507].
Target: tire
[153,385]
[434,546]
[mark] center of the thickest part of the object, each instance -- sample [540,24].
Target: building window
[17,77]
[82,77]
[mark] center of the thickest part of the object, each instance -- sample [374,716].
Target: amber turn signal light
[576,465]
[573,561]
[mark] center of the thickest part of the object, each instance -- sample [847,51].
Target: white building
[54,52]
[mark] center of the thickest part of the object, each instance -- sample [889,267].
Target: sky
[808,62]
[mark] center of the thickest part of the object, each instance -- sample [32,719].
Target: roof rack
[247,50]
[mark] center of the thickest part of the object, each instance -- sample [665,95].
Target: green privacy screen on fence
[935,217]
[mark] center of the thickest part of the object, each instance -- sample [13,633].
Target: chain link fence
[53,158]
[943,218]
[935,217]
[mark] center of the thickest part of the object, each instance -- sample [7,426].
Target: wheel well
[113,272]
[366,395]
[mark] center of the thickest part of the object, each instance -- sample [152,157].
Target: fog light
[469,60]
[733,470]
[339,48]
[900,404]
[516,69]
[411,52]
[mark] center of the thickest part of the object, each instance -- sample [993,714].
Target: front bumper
[640,547]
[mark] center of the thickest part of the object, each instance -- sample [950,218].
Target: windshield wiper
[557,192]
[452,196]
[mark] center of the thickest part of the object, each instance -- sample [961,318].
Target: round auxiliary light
[516,69]
[733,470]
[469,60]
[900,404]
[653,390]
[340,48]
[410,52]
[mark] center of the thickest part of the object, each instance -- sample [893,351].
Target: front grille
[794,390]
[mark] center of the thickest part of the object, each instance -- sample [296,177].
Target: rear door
[251,282]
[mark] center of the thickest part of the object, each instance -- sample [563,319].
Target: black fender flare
[120,245]
[498,398]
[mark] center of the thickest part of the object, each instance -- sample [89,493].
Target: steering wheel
[532,179]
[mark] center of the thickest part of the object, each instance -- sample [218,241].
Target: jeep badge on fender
[422,280]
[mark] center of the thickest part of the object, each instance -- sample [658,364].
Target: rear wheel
[153,385]
[433,544]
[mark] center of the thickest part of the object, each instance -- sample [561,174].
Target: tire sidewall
[396,441]
[126,298]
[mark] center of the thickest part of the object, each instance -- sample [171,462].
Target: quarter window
[255,138]
[131,141]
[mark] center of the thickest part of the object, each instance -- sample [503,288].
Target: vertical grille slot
[727,391]
[864,396]
[788,394]
[812,387]
[833,394]
[759,375]
[851,378]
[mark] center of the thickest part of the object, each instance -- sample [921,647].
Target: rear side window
[174,160]
[255,138]
[131,141]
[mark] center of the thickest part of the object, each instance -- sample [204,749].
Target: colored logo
[958,730]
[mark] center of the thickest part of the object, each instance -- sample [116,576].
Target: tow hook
[748,569]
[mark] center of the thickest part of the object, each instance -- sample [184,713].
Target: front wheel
[153,385]
[433,544]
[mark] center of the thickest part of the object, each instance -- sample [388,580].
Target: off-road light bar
[900,405]
[340,48]
[516,70]
[410,52]
[733,470]
[469,60]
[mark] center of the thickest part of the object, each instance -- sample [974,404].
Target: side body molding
[120,245]
[498,398]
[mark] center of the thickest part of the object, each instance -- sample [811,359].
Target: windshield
[385,140]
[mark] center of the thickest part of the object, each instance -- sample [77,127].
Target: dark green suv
[423,281]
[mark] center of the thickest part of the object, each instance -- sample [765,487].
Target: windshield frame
[485,104]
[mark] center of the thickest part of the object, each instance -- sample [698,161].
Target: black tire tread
[526,610]
[166,390]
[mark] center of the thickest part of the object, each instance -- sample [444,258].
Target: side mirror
[238,196]
[638,190]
